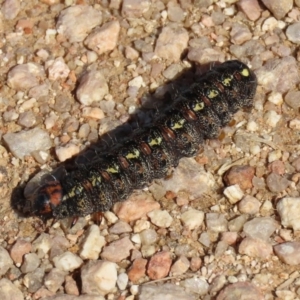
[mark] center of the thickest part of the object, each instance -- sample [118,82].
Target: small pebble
[289,210]
[233,193]
[76,21]
[99,277]
[216,222]
[67,261]
[288,252]
[117,250]
[249,205]
[103,39]
[159,265]
[92,244]
[260,228]
[192,218]
[160,218]
[92,88]
[236,290]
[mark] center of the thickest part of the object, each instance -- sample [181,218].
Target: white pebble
[295,124]
[160,218]
[122,281]
[252,126]
[289,210]
[57,69]
[93,243]
[233,193]
[272,118]
[275,98]
[274,155]
[63,153]
[192,218]
[67,261]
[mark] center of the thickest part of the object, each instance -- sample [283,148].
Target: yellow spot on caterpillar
[95,179]
[113,169]
[212,94]
[134,154]
[75,191]
[156,141]
[178,125]
[227,81]
[198,106]
[245,72]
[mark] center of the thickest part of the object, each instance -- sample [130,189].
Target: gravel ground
[225,225]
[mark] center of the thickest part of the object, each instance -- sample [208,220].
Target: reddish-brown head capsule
[48,197]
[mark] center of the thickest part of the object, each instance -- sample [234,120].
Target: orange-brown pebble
[159,265]
[241,175]
[195,263]
[137,270]
[136,207]
[277,167]
[229,237]
[71,286]
[19,249]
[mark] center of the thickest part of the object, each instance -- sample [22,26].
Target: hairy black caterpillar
[197,114]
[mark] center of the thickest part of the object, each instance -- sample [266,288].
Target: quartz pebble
[135,207]
[5,261]
[279,8]
[65,152]
[292,99]
[10,9]
[76,21]
[277,183]
[117,250]
[180,266]
[196,285]
[189,173]
[255,248]
[233,193]
[171,43]
[216,222]
[92,88]
[288,252]
[19,249]
[103,39]
[92,244]
[24,142]
[57,69]
[292,33]
[289,210]
[249,205]
[165,291]
[237,223]
[54,279]
[9,291]
[148,236]
[245,289]
[31,262]
[25,76]
[250,8]
[67,261]
[122,281]
[192,218]
[160,218]
[260,228]
[159,265]
[98,277]
[135,8]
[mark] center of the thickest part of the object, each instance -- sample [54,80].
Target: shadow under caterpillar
[197,113]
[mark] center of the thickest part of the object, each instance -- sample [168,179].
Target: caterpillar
[198,113]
